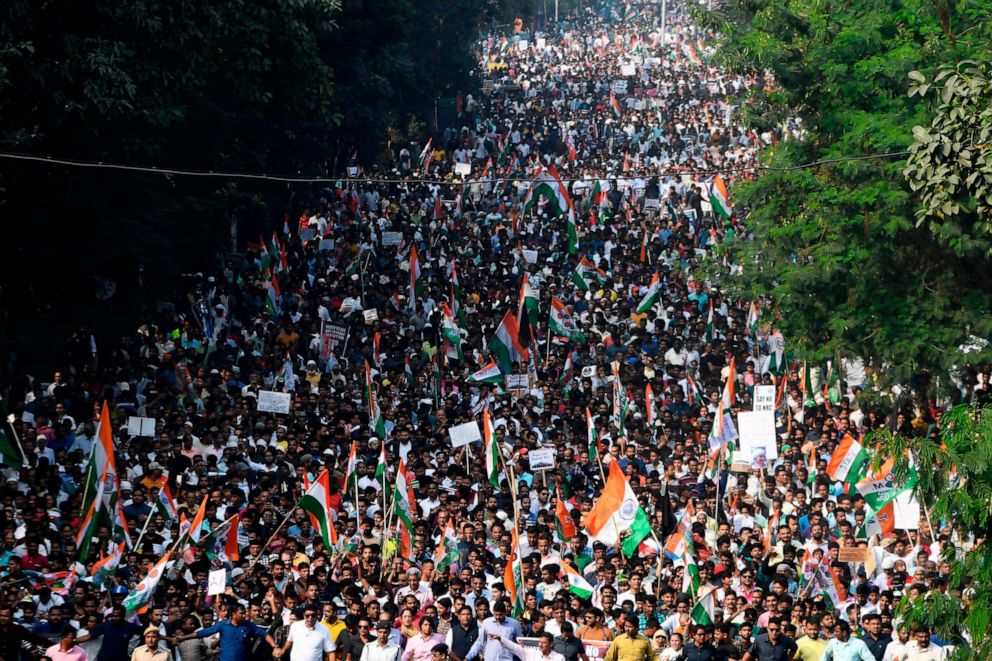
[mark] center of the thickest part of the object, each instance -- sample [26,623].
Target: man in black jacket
[12,635]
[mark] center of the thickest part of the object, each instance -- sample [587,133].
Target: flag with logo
[617,517]
[563,324]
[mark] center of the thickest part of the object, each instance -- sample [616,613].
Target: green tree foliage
[950,166]
[954,464]
[836,245]
[260,86]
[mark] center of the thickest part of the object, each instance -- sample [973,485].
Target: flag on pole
[351,470]
[563,324]
[720,199]
[617,517]
[9,453]
[456,294]
[380,468]
[649,405]
[377,424]
[166,505]
[491,448]
[140,598]
[652,295]
[451,334]
[416,281]
[615,106]
[488,374]
[549,184]
[564,522]
[513,576]
[505,345]
[316,502]
[849,461]
[107,564]
[709,323]
[446,553]
[402,505]
[573,235]
[577,585]
[592,438]
[585,274]
[703,611]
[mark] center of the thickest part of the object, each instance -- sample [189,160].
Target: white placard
[530,256]
[907,511]
[619,86]
[542,460]
[392,238]
[140,426]
[652,203]
[273,402]
[464,434]
[216,582]
[352,171]
[540,43]
[522,45]
[757,431]
[371,315]
[764,399]
[517,382]
[628,70]
[326,244]
[463,169]
[588,371]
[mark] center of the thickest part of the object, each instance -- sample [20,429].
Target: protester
[476,414]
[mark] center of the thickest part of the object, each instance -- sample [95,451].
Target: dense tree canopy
[268,86]
[838,246]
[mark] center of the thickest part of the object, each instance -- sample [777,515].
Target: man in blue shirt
[235,636]
[493,629]
[116,634]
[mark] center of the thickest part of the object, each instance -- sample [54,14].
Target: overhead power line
[316,180]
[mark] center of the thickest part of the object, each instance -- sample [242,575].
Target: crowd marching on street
[487,402]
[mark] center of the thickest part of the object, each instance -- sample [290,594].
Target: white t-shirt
[309,644]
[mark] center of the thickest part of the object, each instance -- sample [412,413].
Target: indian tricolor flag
[705,607]
[573,235]
[549,184]
[617,517]
[416,281]
[107,564]
[720,199]
[652,295]
[376,422]
[166,505]
[505,344]
[513,578]
[615,106]
[488,374]
[402,504]
[592,439]
[316,502]
[586,273]
[446,553]
[576,584]
[491,448]
[564,522]
[848,462]
[691,54]
[351,469]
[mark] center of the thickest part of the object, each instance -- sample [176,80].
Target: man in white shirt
[308,640]
[381,649]
[921,649]
[543,651]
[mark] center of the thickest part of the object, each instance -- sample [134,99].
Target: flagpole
[141,535]
[272,537]
[358,524]
[17,439]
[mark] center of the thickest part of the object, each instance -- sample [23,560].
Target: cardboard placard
[371,315]
[464,434]
[853,554]
[392,238]
[757,431]
[907,511]
[651,203]
[331,337]
[216,582]
[326,244]
[137,426]
[628,70]
[463,169]
[517,382]
[541,460]
[270,401]
[308,234]
[764,399]
[530,256]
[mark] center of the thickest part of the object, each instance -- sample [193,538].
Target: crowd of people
[391,313]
